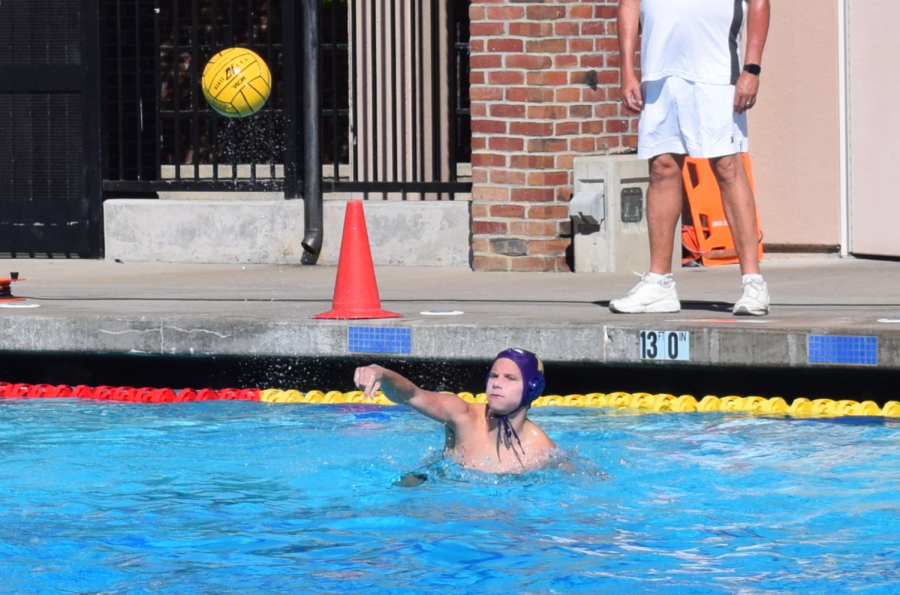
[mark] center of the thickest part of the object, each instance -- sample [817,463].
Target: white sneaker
[754,302]
[647,296]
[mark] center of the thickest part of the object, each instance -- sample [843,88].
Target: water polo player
[496,437]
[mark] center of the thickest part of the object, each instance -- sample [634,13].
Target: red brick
[476,77]
[581,12]
[476,46]
[566,128]
[479,175]
[616,126]
[541,247]
[488,160]
[531,195]
[608,142]
[509,177]
[594,95]
[529,62]
[565,61]
[605,110]
[485,93]
[483,62]
[480,211]
[506,77]
[548,178]
[531,128]
[547,112]
[546,145]
[548,77]
[478,143]
[592,61]
[529,94]
[533,264]
[478,108]
[504,44]
[537,12]
[581,45]
[582,144]
[580,111]
[487,29]
[531,29]
[476,13]
[489,126]
[490,263]
[592,127]
[546,46]
[565,161]
[489,227]
[532,161]
[564,193]
[505,13]
[608,77]
[547,212]
[481,245]
[508,110]
[593,28]
[566,29]
[568,94]
[605,12]
[512,211]
[533,229]
[606,44]
[491,193]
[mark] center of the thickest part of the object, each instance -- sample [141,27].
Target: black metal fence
[163,136]
[50,203]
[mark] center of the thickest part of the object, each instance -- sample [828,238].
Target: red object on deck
[355,291]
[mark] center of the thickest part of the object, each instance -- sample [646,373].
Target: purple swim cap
[532,369]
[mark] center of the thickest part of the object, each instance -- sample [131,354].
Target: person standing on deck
[693,99]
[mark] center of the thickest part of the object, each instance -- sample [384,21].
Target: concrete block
[270,231]
[621,242]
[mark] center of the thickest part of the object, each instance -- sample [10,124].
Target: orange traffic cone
[355,291]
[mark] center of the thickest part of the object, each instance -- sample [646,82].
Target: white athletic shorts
[687,118]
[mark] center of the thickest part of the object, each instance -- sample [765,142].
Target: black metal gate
[50,199]
[101,98]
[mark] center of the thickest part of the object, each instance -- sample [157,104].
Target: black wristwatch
[752,69]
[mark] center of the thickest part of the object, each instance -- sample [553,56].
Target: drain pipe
[312,156]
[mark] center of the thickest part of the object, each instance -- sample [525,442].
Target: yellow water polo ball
[236,82]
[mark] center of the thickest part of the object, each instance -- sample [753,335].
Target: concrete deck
[96,306]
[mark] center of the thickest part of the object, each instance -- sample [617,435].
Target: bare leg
[740,209]
[664,198]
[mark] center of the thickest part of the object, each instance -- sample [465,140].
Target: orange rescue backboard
[714,242]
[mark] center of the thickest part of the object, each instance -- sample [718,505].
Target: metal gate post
[94,121]
[312,153]
[292,31]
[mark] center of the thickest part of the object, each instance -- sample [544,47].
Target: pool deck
[98,306]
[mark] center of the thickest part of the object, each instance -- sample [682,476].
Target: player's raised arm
[440,407]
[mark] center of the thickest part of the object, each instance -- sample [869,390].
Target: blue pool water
[238,497]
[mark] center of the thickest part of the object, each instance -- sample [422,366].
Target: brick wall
[544,89]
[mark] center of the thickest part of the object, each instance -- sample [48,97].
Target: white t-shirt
[697,40]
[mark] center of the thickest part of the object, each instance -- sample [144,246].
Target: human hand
[630,93]
[368,379]
[745,92]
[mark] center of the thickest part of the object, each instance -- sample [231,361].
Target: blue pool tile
[836,349]
[377,339]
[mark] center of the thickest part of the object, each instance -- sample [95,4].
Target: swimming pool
[247,497]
